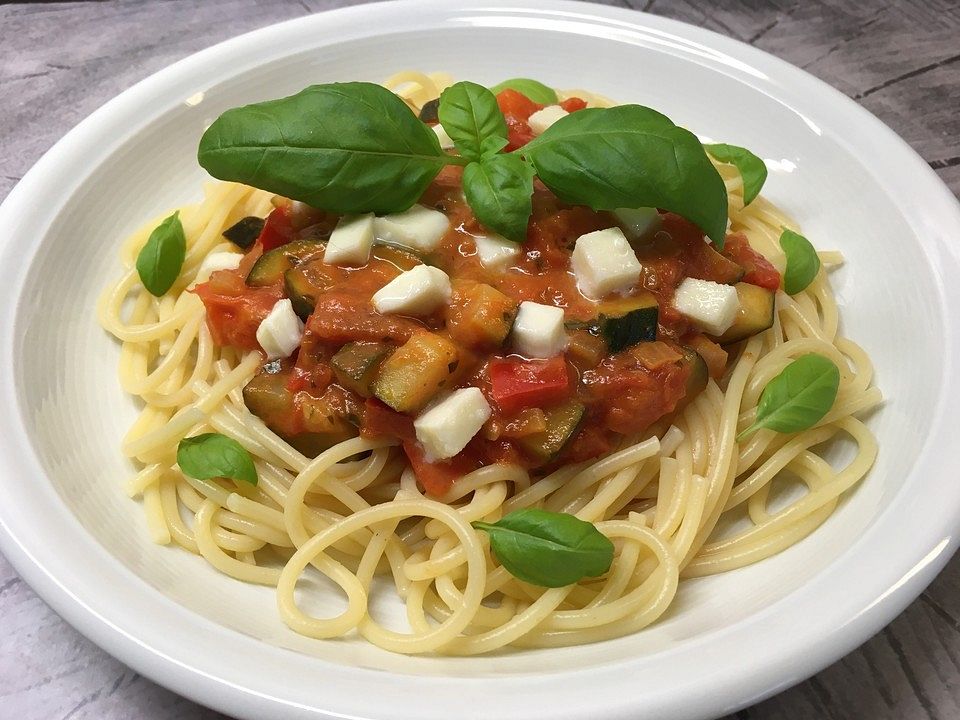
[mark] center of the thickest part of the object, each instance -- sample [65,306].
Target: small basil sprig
[752,169]
[160,260]
[547,548]
[797,398]
[630,156]
[348,148]
[803,263]
[471,117]
[533,89]
[213,455]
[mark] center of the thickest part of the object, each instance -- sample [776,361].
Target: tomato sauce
[621,394]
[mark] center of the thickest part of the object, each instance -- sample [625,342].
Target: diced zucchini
[563,422]
[403,260]
[356,365]
[718,268]
[271,266]
[627,321]
[479,316]
[754,316]
[311,427]
[305,282]
[244,233]
[699,374]
[417,371]
[429,113]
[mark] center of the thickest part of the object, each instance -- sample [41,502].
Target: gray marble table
[900,59]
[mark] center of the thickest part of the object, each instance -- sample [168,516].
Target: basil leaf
[798,397]
[470,115]
[752,169]
[213,455]
[803,263]
[547,548]
[160,260]
[499,190]
[628,157]
[533,89]
[345,147]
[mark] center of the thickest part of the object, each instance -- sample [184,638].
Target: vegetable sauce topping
[505,278]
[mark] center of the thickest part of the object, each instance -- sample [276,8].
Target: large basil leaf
[547,548]
[798,397]
[498,190]
[470,115]
[161,258]
[627,157]
[345,147]
[753,171]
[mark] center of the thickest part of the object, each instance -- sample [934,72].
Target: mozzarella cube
[542,119]
[218,261]
[495,252]
[538,331]
[711,306]
[446,142]
[281,331]
[604,262]
[447,427]
[418,291]
[637,223]
[351,240]
[419,228]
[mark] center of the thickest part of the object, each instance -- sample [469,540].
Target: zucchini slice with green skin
[271,266]
[416,372]
[719,268]
[430,112]
[563,423]
[244,233]
[356,365]
[305,282]
[623,322]
[754,316]
[696,380]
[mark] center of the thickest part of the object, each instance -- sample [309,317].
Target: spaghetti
[683,500]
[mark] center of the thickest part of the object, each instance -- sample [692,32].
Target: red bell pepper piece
[517,384]
[277,230]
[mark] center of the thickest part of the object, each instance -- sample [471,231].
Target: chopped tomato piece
[572,104]
[759,270]
[438,477]
[379,420]
[234,310]
[518,384]
[517,109]
[592,441]
[277,230]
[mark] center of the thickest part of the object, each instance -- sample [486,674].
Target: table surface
[899,59]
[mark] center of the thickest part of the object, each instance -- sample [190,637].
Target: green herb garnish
[797,398]
[533,89]
[213,455]
[357,148]
[548,549]
[752,169]
[160,260]
[803,263]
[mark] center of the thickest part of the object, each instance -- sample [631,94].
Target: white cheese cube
[218,261]
[542,119]
[281,331]
[711,306]
[446,142]
[418,291]
[350,242]
[419,228]
[495,252]
[637,223]
[604,262]
[538,331]
[447,427]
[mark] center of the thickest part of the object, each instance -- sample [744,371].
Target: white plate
[729,640]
